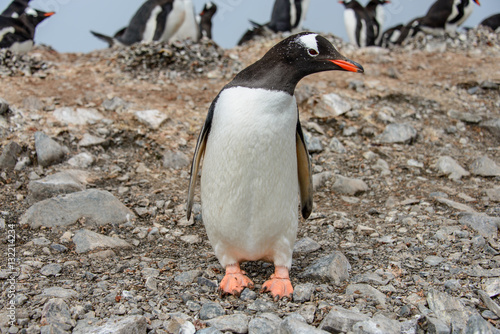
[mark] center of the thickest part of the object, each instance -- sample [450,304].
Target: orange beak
[477,1]
[348,66]
[49,14]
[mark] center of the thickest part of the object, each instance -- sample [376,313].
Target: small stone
[465,116]
[493,194]
[484,166]
[330,106]
[56,312]
[86,240]
[264,323]
[151,284]
[313,144]
[365,290]
[483,224]
[191,239]
[58,292]
[8,158]
[303,292]
[455,205]
[398,133]
[175,160]
[493,126]
[82,160]
[349,186]
[336,146]
[294,326]
[447,308]
[4,106]
[320,179]
[114,104]
[51,269]
[211,310]
[48,151]
[306,245]
[340,320]
[237,323]
[187,277]
[433,260]
[261,305]
[332,268]
[79,117]
[90,140]
[448,166]
[152,118]
[65,182]
[378,324]
[248,294]
[492,286]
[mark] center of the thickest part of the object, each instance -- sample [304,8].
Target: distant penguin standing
[256,163]
[16,8]
[358,24]
[376,12]
[391,36]
[17,34]
[205,19]
[147,24]
[492,22]
[461,11]
[189,28]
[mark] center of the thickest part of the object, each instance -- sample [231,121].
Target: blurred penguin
[205,19]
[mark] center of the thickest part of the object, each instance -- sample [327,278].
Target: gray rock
[490,304]
[210,330]
[58,292]
[493,126]
[332,268]
[48,151]
[340,320]
[152,118]
[455,205]
[80,116]
[114,104]
[175,160]
[51,269]
[313,144]
[308,311]
[433,325]
[398,134]
[211,310]
[32,103]
[4,106]
[261,305]
[53,329]
[134,324]
[448,309]
[477,325]
[306,245]
[433,260]
[484,166]
[320,179]
[98,207]
[65,182]
[336,146]
[330,106]
[483,224]
[187,277]
[151,284]
[86,240]
[349,186]
[377,325]
[265,323]
[465,116]
[492,286]
[373,278]
[448,166]
[303,292]
[90,140]
[493,194]
[294,326]
[366,291]
[56,312]
[8,159]
[248,294]
[82,160]
[237,323]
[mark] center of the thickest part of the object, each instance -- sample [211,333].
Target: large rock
[65,182]
[448,308]
[448,166]
[485,225]
[8,159]
[79,117]
[48,151]
[56,312]
[340,320]
[236,323]
[493,126]
[484,166]
[332,268]
[86,240]
[97,206]
[134,324]
[330,106]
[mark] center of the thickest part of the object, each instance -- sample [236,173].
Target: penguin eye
[312,52]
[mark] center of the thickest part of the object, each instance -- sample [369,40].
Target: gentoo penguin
[492,22]
[255,162]
[189,28]
[446,15]
[147,24]
[391,36]
[358,24]
[16,8]
[287,15]
[17,34]
[409,30]
[205,19]
[377,16]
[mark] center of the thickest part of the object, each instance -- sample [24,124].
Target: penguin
[287,16]
[493,22]
[188,29]
[17,34]
[391,36]
[377,16]
[147,24]
[410,30]
[358,24]
[461,11]
[256,163]
[15,8]
[205,19]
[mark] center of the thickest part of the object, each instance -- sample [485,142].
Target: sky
[68,30]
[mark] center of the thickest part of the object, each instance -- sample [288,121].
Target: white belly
[150,28]
[249,183]
[189,28]
[350,25]
[174,20]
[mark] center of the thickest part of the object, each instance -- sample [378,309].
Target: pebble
[349,186]
[465,116]
[52,269]
[398,134]
[187,277]
[493,126]
[89,140]
[237,323]
[261,305]
[86,240]
[483,224]
[340,320]
[377,324]
[117,325]
[97,206]
[320,179]
[336,146]
[433,260]
[81,160]
[211,310]
[264,323]
[115,104]
[448,166]
[4,106]
[484,166]
[56,312]
[365,290]
[175,160]
[306,245]
[332,268]
[152,118]
[295,326]
[493,194]
[80,116]
[8,158]
[303,292]
[58,292]
[492,286]
[48,151]
[331,106]
[68,181]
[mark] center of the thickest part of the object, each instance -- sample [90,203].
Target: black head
[35,16]
[350,4]
[295,57]
[209,9]
[16,8]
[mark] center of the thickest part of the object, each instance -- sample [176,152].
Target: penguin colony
[256,168]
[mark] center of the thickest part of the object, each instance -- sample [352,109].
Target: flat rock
[492,286]
[493,194]
[81,160]
[340,320]
[348,186]
[448,308]
[377,325]
[466,117]
[8,158]
[187,277]
[303,292]
[455,205]
[68,181]
[236,323]
[483,224]
[51,269]
[398,134]
[336,146]
[264,323]
[134,324]
[48,151]
[175,160]
[493,126]
[294,326]
[320,179]
[211,310]
[90,140]
[261,305]
[58,292]
[332,268]
[86,240]
[448,166]
[484,166]
[305,245]
[80,116]
[114,104]
[152,118]
[476,324]
[56,312]
[97,206]
[331,105]
[366,291]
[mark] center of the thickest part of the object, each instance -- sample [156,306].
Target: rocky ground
[95,153]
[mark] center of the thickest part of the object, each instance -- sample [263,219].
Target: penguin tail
[107,39]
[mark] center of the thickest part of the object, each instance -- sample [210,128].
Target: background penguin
[287,16]
[358,24]
[410,30]
[256,161]
[147,24]
[189,28]
[205,19]
[391,36]
[376,12]
[16,8]
[461,11]
[17,34]
[492,22]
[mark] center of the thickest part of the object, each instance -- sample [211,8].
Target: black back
[387,35]
[492,22]
[362,14]
[16,8]
[206,15]
[438,14]
[24,27]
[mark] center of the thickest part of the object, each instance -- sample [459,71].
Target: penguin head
[209,9]
[477,1]
[309,53]
[35,16]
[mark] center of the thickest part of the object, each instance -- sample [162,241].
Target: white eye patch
[31,11]
[309,42]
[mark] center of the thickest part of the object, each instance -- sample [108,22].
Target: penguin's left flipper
[198,154]
[304,174]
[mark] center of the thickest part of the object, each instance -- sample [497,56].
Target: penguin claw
[234,282]
[278,287]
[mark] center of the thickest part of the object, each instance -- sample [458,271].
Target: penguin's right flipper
[107,39]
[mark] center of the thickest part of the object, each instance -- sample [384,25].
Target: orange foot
[279,285]
[234,281]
